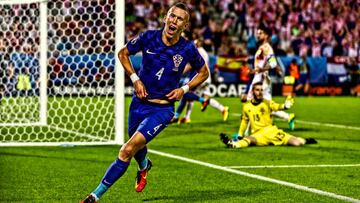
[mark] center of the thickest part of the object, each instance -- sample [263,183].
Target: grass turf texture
[58,174]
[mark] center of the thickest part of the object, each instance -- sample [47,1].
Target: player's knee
[126,152]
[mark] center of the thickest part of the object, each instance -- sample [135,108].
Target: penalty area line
[328,125]
[318,123]
[298,166]
[263,178]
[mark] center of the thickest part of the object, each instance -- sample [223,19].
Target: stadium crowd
[301,28]
[311,28]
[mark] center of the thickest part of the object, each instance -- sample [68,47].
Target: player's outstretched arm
[289,102]
[199,78]
[124,57]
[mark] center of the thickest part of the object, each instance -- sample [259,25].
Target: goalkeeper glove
[289,101]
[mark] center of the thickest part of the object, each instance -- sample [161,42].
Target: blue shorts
[303,79]
[148,118]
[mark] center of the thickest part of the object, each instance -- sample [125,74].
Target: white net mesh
[80,72]
[19,53]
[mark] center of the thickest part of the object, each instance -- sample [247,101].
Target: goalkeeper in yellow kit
[257,111]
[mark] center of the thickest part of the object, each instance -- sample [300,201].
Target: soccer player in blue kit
[165,54]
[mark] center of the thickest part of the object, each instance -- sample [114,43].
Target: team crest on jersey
[177,59]
[262,110]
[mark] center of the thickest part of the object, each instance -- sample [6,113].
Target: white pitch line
[263,178]
[319,124]
[77,133]
[328,125]
[297,166]
[236,114]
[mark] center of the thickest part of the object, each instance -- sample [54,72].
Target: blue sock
[143,164]
[180,107]
[100,190]
[141,159]
[113,173]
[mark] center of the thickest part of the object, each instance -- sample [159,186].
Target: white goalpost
[60,80]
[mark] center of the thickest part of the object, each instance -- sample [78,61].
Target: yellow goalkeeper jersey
[259,115]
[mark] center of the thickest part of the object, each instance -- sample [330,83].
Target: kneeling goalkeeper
[258,112]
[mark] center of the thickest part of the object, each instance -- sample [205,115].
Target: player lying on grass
[258,111]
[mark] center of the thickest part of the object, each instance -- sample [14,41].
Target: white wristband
[185,88]
[134,77]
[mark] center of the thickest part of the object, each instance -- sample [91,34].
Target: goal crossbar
[12,2]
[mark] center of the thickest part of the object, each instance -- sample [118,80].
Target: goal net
[59,78]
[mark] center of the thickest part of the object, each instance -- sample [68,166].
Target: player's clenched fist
[140,89]
[176,94]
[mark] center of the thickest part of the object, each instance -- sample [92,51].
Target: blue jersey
[162,66]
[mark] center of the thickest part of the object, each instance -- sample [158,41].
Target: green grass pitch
[68,174]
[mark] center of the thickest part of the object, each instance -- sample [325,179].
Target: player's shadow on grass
[205,195]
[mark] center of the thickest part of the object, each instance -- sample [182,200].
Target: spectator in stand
[353,70]
[275,42]
[2,43]
[294,70]
[9,80]
[322,27]
[2,94]
[303,83]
